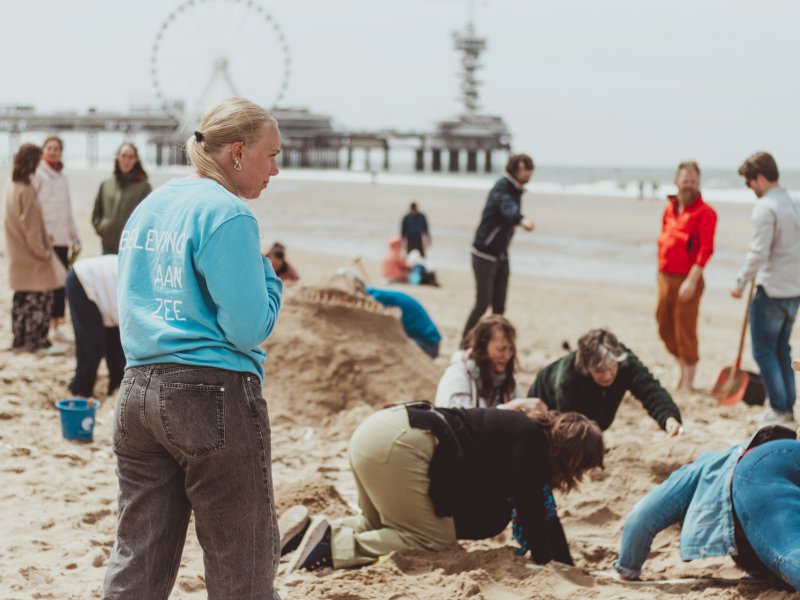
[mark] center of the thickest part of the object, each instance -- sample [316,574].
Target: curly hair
[597,348]
[477,340]
[576,445]
[25,162]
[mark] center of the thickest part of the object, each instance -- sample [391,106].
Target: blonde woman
[191,433]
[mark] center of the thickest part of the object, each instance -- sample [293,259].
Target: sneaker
[53,350]
[314,551]
[292,525]
[770,416]
[59,335]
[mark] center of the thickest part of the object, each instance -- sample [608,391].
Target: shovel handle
[744,325]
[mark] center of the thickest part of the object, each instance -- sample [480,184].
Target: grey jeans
[196,439]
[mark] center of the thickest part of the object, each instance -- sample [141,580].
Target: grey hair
[229,121]
[597,348]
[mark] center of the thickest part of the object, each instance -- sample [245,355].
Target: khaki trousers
[390,461]
[677,321]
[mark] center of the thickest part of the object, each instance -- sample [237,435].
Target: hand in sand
[527,406]
[736,293]
[673,427]
[527,225]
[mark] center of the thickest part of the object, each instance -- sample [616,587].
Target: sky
[579,82]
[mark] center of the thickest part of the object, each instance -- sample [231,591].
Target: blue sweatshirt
[416,321]
[193,287]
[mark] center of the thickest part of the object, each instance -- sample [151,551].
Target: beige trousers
[390,461]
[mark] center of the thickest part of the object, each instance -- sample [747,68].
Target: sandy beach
[590,262]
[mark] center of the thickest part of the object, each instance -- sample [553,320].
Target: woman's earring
[237,164]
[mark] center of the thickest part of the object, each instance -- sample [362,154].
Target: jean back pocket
[193,417]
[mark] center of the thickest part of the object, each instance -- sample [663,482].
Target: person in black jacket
[427,477]
[593,381]
[501,214]
[414,230]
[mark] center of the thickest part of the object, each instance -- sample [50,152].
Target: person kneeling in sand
[594,379]
[742,502]
[427,477]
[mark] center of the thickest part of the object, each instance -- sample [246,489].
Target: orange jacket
[687,237]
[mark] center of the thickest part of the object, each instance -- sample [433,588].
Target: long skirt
[30,319]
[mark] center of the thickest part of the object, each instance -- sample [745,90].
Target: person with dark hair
[502,213]
[594,379]
[774,261]
[53,193]
[277,256]
[92,294]
[414,230]
[427,477]
[119,196]
[482,374]
[743,502]
[33,268]
[685,245]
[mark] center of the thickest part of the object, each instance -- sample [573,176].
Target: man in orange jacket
[684,247]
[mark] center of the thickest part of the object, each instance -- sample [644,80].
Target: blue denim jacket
[696,495]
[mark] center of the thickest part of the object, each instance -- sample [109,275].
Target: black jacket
[562,387]
[501,214]
[487,462]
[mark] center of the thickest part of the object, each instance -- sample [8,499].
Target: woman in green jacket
[594,379]
[118,196]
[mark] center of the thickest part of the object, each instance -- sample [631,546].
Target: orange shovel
[732,382]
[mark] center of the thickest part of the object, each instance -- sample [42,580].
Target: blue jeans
[771,322]
[193,439]
[766,497]
[93,342]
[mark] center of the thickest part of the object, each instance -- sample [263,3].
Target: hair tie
[199,136]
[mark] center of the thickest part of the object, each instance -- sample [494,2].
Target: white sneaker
[54,350]
[770,416]
[59,335]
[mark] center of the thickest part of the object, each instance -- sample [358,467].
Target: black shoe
[292,525]
[314,551]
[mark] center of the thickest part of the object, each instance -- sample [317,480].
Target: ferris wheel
[208,50]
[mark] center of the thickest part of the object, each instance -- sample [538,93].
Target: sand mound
[335,347]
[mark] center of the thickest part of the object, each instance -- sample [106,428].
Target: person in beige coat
[34,271]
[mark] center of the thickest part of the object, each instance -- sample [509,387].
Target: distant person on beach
[395,268]
[417,323]
[191,433]
[501,215]
[774,261]
[92,294]
[743,502]
[594,379]
[685,245]
[427,477]
[119,196]
[34,271]
[482,375]
[277,256]
[655,187]
[414,230]
[53,193]
[420,274]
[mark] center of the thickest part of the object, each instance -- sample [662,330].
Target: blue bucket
[77,418]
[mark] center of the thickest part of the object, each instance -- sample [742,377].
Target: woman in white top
[53,193]
[482,375]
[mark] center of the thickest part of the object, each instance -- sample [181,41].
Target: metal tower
[471,46]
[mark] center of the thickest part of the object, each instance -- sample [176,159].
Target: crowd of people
[192,435]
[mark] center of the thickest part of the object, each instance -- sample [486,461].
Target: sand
[332,362]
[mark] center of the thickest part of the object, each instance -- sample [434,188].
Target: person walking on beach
[685,245]
[53,193]
[118,196]
[414,230]
[774,261]
[33,269]
[501,215]
[191,431]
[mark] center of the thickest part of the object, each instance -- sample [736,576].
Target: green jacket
[563,388]
[112,207]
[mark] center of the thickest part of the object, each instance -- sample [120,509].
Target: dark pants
[415,243]
[93,342]
[62,252]
[428,348]
[491,285]
[30,319]
[193,439]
